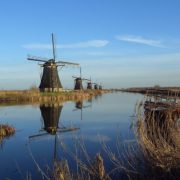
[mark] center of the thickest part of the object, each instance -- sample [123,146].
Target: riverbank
[160,91]
[29,96]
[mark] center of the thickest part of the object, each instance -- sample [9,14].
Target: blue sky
[120,43]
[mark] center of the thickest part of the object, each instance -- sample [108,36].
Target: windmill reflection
[51,116]
[79,106]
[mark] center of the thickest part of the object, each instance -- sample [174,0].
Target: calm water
[101,119]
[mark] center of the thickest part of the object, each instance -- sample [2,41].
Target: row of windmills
[78,83]
[50,81]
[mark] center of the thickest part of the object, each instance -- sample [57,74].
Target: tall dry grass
[5,132]
[158,130]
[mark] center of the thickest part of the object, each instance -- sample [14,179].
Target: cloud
[85,44]
[140,40]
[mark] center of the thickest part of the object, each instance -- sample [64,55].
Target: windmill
[50,81]
[89,84]
[78,81]
[96,86]
[100,86]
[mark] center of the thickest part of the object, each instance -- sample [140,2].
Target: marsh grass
[157,132]
[5,132]
[36,96]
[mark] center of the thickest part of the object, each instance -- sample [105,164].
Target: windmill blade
[80,72]
[75,109]
[37,135]
[81,114]
[33,58]
[87,106]
[84,79]
[62,65]
[75,77]
[63,130]
[53,46]
[67,63]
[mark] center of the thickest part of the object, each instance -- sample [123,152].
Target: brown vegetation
[32,96]
[162,92]
[94,171]
[5,131]
[158,132]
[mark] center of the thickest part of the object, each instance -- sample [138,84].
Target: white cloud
[140,40]
[85,44]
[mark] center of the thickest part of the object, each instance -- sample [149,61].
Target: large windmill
[50,81]
[78,81]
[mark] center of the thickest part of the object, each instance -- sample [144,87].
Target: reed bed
[158,131]
[5,132]
[32,96]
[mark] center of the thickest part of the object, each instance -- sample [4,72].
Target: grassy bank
[29,96]
[157,91]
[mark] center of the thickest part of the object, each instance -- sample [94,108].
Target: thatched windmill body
[50,81]
[78,85]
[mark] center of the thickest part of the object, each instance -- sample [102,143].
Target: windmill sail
[53,47]
[67,63]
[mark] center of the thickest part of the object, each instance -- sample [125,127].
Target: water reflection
[103,117]
[50,114]
[80,106]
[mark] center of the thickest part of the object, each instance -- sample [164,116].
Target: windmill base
[51,89]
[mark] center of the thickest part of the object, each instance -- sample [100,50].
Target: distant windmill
[50,81]
[100,87]
[89,84]
[78,81]
[96,86]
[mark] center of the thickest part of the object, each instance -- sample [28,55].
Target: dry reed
[5,131]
